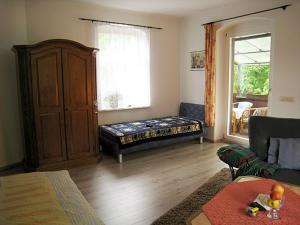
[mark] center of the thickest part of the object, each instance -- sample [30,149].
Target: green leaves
[252,79]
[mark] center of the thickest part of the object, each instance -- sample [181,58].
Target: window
[252,65]
[123,70]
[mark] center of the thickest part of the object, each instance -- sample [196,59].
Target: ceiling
[168,7]
[253,51]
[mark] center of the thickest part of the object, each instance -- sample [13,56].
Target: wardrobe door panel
[48,104]
[78,91]
[51,136]
[79,125]
[48,78]
[79,78]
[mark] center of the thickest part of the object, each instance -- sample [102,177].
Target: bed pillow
[273,150]
[289,153]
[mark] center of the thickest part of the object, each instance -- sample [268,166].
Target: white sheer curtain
[123,66]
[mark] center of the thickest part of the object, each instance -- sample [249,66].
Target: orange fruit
[278,187]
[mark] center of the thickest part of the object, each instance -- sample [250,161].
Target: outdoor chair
[241,113]
[260,111]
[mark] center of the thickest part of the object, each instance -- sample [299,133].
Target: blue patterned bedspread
[130,132]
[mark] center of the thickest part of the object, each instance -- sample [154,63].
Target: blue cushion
[289,153]
[193,111]
[273,150]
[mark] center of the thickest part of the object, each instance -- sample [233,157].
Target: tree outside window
[251,79]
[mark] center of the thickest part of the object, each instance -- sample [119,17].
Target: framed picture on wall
[198,60]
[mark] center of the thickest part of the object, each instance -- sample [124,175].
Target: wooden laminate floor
[148,183]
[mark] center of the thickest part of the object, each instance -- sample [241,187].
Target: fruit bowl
[275,201]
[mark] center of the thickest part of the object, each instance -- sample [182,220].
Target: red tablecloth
[228,206]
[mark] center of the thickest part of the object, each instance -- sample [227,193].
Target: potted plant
[113,100]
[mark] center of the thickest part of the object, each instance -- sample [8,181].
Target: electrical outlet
[287,99]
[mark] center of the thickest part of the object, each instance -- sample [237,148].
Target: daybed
[122,138]
[44,198]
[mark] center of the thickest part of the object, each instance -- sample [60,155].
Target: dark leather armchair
[261,129]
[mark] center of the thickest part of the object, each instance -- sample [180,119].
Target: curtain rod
[128,24]
[283,7]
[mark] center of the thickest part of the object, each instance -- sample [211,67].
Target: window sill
[122,109]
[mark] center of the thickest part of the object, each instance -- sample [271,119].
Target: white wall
[12,31]
[286,63]
[59,19]
[192,39]
[285,56]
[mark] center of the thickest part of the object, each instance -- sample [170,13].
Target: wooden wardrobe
[57,83]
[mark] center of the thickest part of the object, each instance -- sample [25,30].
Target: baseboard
[11,166]
[228,141]
[234,142]
[213,141]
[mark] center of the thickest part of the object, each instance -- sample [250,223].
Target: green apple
[275,204]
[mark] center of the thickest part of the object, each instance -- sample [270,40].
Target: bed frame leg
[201,140]
[120,158]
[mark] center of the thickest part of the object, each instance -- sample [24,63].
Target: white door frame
[229,84]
